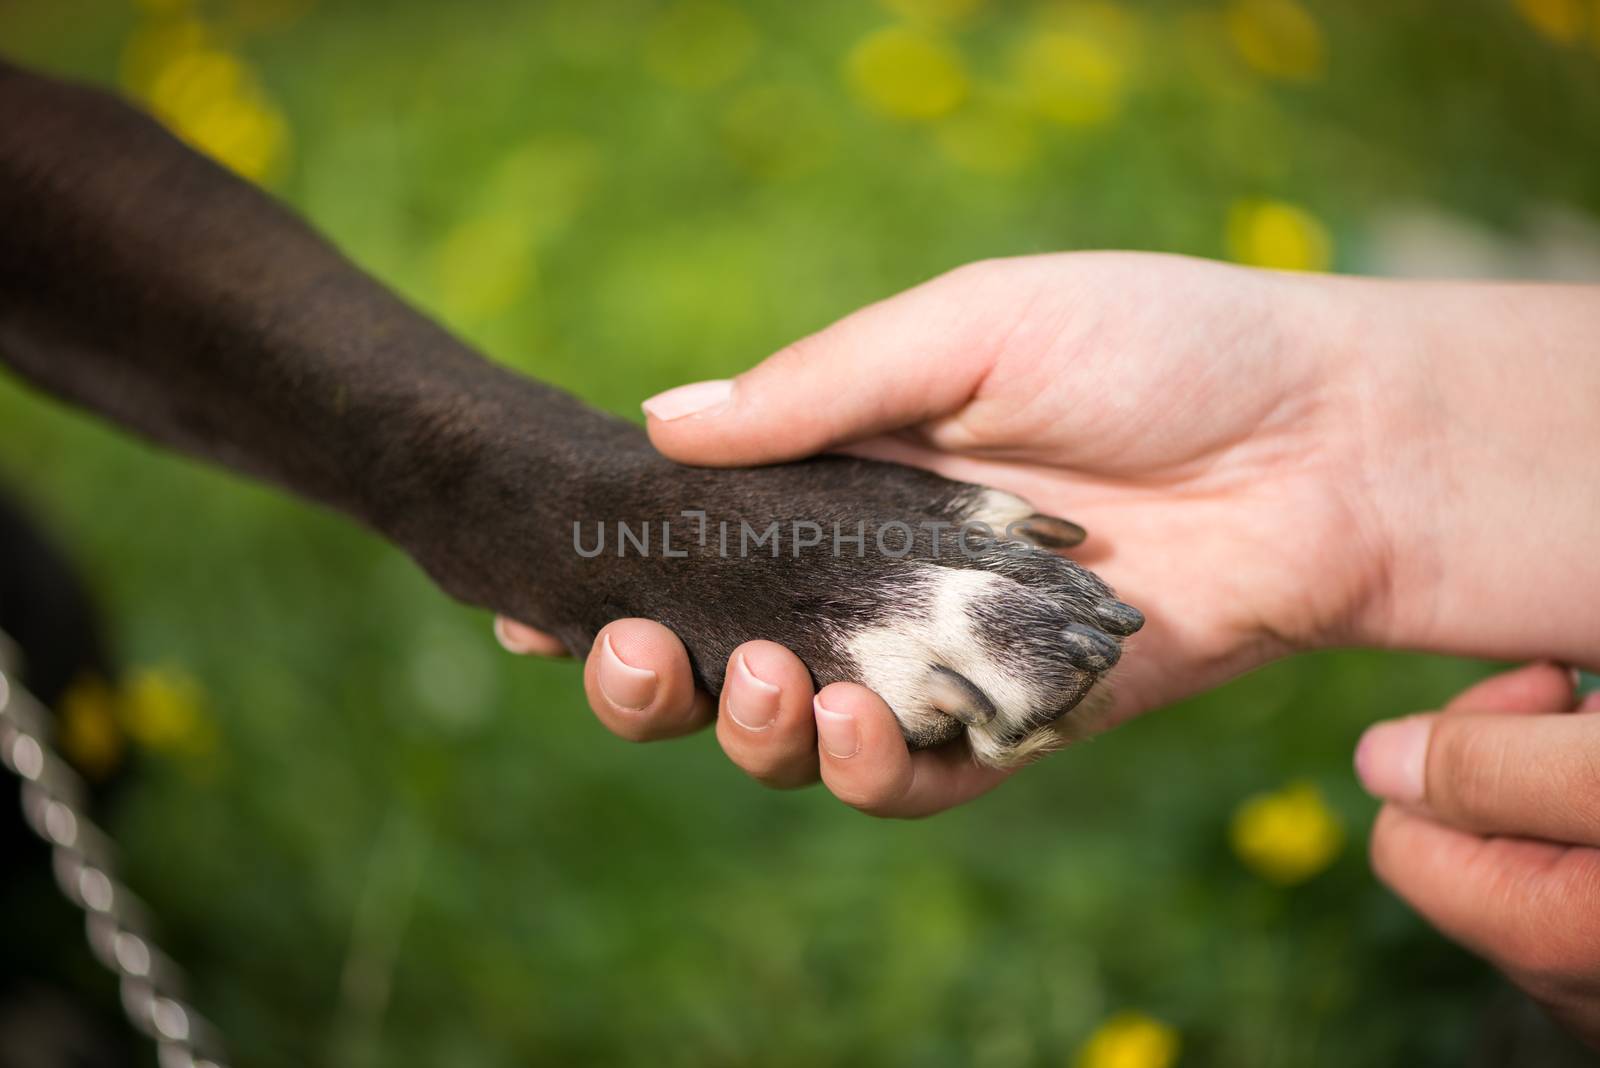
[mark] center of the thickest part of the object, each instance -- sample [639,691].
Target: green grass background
[411,849]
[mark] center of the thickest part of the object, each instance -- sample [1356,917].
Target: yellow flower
[245,133]
[206,95]
[163,709]
[1559,20]
[1286,836]
[699,44]
[1130,1040]
[1278,38]
[907,73]
[191,80]
[1070,77]
[1272,233]
[90,737]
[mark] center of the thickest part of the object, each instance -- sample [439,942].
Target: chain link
[116,923]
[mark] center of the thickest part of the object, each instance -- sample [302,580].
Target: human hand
[1491,829]
[1174,407]
[1265,463]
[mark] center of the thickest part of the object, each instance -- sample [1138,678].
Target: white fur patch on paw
[936,629]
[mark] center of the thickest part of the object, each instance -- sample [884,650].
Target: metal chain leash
[116,923]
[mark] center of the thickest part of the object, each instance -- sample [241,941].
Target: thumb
[1527,773]
[913,357]
[1392,757]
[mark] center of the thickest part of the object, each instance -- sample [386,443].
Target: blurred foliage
[376,840]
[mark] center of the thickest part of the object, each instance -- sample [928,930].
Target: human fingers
[916,356]
[1531,775]
[764,722]
[1532,908]
[524,640]
[640,685]
[866,764]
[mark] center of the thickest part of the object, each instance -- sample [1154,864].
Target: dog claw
[955,696]
[1090,649]
[1118,618]
[1048,532]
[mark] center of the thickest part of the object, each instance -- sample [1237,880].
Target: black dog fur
[142,281]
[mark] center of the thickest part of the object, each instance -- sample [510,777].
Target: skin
[1266,463]
[1274,463]
[1495,843]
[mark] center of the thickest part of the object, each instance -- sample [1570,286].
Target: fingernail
[837,732]
[502,634]
[624,685]
[697,398]
[752,701]
[524,641]
[1392,759]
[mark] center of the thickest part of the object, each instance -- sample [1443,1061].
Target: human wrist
[1335,417]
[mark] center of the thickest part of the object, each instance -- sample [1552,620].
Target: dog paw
[947,599]
[998,650]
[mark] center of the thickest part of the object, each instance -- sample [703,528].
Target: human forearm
[1480,410]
